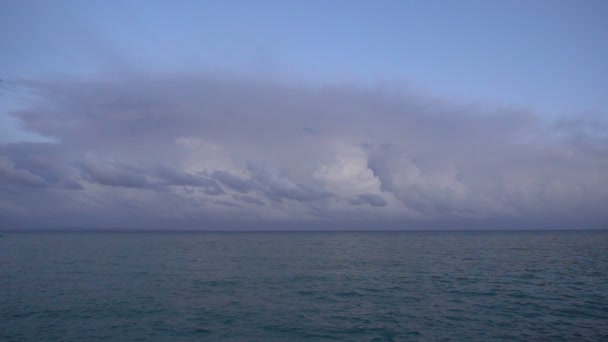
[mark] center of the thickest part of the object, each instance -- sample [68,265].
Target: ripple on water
[305,286]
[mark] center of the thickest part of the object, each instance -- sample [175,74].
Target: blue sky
[546,55]
[531,66]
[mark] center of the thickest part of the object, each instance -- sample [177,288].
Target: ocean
[304,286]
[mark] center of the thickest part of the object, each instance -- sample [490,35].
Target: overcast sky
[304,115]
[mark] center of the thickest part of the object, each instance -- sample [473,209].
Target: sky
[246,115]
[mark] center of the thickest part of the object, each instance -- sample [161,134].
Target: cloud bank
[205,151]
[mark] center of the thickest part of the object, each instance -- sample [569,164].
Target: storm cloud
[186,149]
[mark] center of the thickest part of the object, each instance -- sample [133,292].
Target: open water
[314,286]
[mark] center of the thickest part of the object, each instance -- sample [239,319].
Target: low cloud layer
[201,151]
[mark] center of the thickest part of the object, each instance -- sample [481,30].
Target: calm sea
[316,286]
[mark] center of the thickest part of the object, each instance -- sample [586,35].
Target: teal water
[352,286]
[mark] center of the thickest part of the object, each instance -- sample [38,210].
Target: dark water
[353,286]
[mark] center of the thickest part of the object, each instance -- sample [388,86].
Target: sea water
[294,286]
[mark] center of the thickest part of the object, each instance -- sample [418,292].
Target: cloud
[180,178]
[109,172]
[27,165]
[369,199]
[232,181]
[248,199]
[227,203]
[190,148]
[277,186]
[10,174]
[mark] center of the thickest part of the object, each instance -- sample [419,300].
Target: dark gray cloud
[180,178]
[111,173]
[369,199]
[36,165]
[233,182]
[228,203]
[248,199]
[9,174]
[182,149]
[277,186]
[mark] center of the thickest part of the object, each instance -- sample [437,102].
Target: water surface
[317,286]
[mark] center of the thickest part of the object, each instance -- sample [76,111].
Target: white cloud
[196,148]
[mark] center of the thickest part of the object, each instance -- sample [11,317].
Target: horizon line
[144,230]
